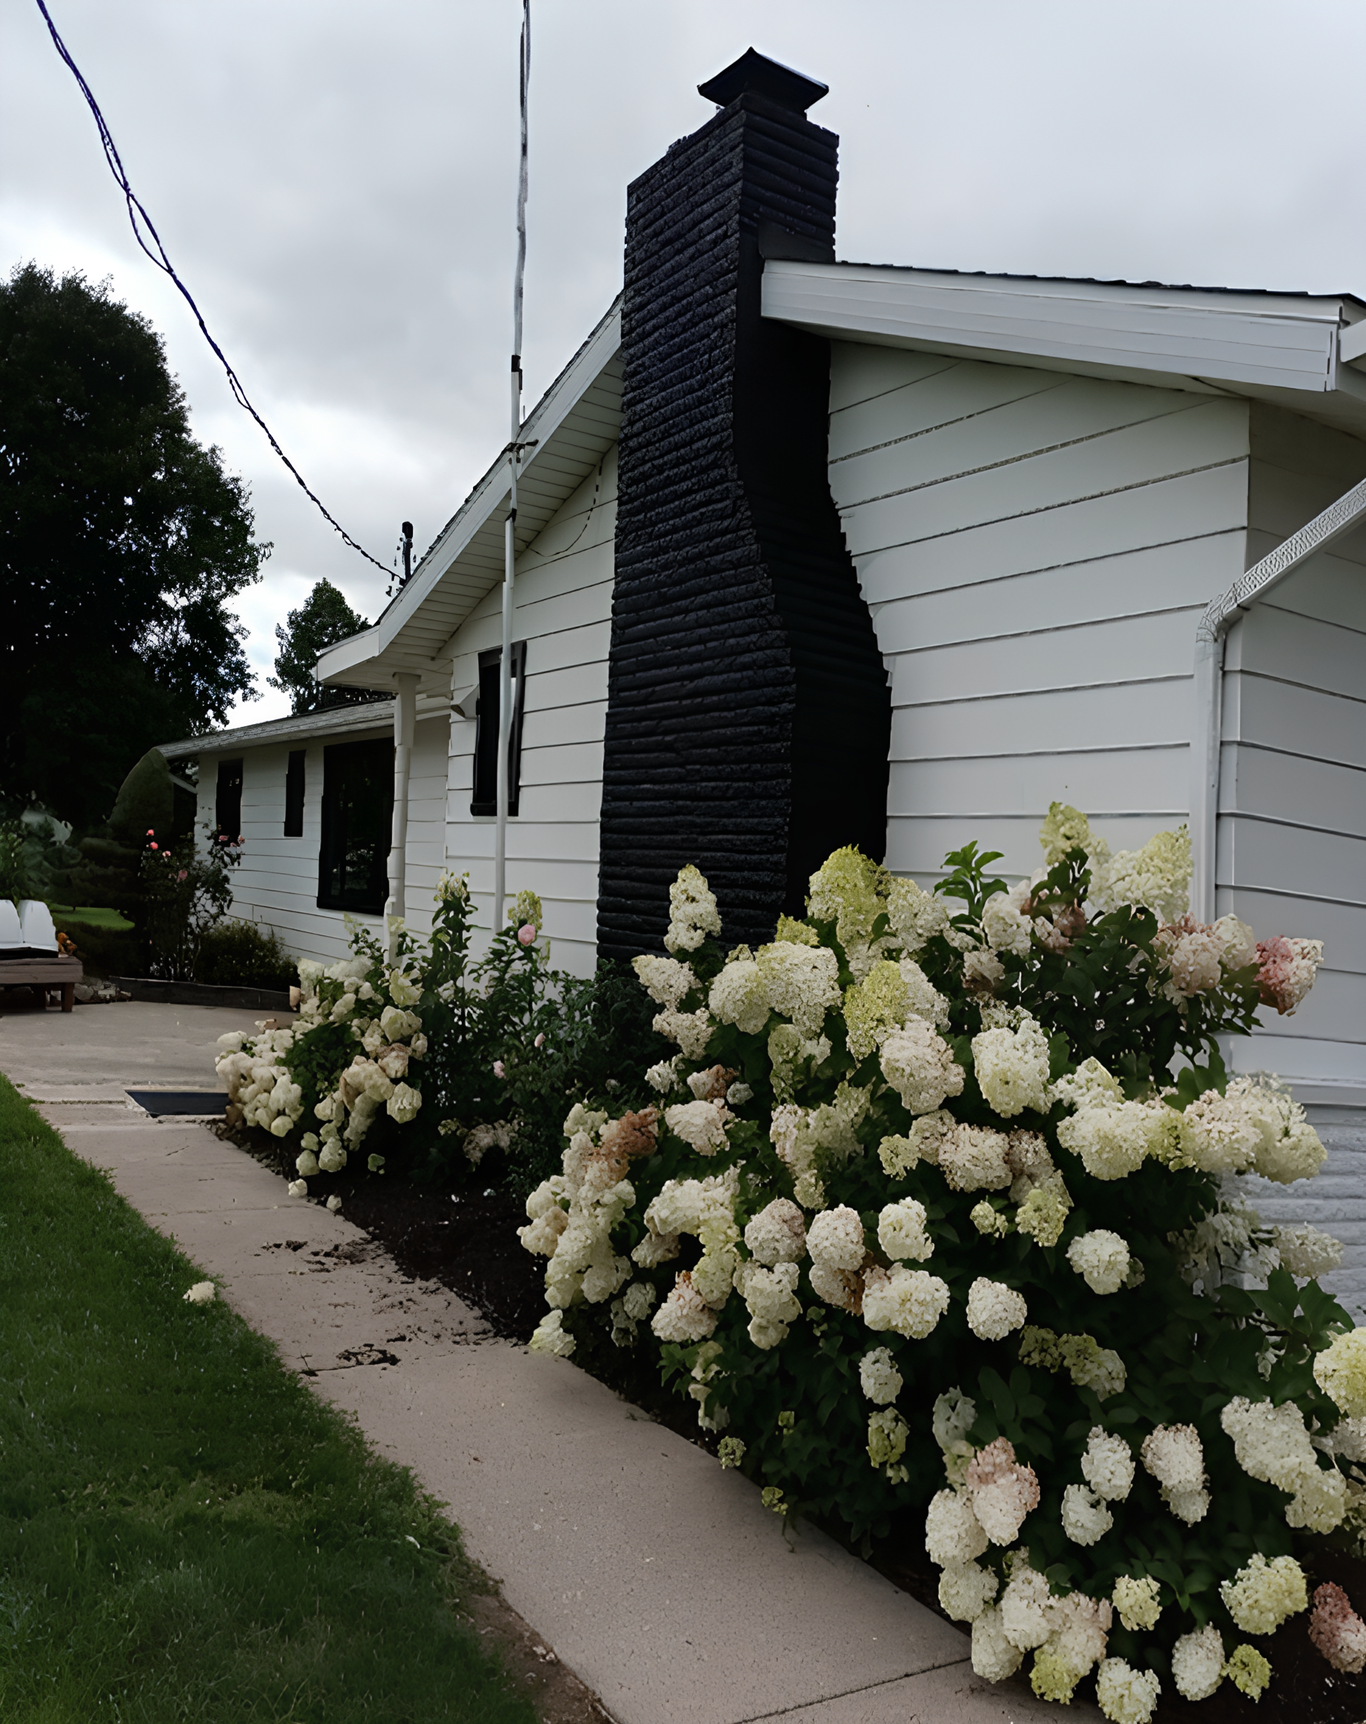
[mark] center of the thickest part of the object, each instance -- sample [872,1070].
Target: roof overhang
[342,722]
[573,425]
[1296,350]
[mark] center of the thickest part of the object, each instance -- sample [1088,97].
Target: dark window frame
[353,865]
[294,792]
[227,808]
[484,797]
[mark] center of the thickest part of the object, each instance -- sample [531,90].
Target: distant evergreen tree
[323,619]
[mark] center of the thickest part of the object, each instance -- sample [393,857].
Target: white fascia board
[1260,341]
[302,727]
[375,650]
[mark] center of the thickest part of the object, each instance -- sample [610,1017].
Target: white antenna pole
[510,528]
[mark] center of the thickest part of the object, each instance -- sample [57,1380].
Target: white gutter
[1220,614]
[405,722]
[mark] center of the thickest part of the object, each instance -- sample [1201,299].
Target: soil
[467,1241]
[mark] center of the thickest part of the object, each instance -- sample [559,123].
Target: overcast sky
[334,180]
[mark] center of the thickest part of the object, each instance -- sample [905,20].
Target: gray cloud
[334,181]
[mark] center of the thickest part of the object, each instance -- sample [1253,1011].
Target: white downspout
[405,724]
[1219,615]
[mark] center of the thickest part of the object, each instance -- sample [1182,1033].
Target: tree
[122,540]
[323,619]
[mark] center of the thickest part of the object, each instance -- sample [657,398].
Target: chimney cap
[755,72]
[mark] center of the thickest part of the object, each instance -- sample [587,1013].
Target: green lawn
[92,916]
[185,1532]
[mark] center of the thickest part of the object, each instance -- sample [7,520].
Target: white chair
[11,934]
[35,925]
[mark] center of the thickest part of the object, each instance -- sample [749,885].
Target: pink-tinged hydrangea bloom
[1337,1630]
[1287,972]
[526,934]
[1004,1490]
[684,1316]
[777,1234]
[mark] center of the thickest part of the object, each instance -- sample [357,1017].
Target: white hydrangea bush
[935,1210]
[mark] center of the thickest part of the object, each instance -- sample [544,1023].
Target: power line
[137,212]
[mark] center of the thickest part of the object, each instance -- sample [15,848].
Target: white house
[813,551]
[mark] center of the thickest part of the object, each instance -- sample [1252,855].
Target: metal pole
[510,527]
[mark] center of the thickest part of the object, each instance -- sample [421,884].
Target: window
[358,803]
[228,803]
[294,794]
[486,731]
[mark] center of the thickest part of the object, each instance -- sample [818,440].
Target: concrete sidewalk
[655,1576]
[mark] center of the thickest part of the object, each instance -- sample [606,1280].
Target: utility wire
[158,256]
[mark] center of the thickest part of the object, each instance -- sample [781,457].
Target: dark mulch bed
[467,1241]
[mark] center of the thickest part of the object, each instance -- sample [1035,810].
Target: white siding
[1292,826]
[563,612]
[1036,549]
[276,883]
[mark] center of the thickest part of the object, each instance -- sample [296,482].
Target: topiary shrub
[935,1213]
[239,954]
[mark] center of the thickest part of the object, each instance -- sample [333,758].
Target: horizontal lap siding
[563,612]
[276,883]
[1036,550]
[1292,826]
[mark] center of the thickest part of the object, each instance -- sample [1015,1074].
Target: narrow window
[358,804]
[486,731]
[294,794]
[228,803]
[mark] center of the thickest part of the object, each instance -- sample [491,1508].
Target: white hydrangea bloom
[690,1030]
[770,1296]
[975,1158]
[306,1164]
[665,980]
[919,1065]
[1306,1252]
[879,1377]
[982,969]
[909,1301]
[1126,1695]
[1108,1465]
[915,915]
[994,1656]
[552,1337]
[801,982]
[701,1124]
[1136,1599]
[1114,1137]
[777,1234]
[333,1157]
[901,1231]
[994,1310]
[951,1420]
[835,1239]
[924,999]
[665,1076]
[1273,1444]
[1085,1517]
[1194,957]
[965,1591]
[1340,1371]
[1287,1146]
[692,911]
[684,1316]
[953,1534]
[1198,1663]
[1026,1608]
[1174,1456]
[899,1155]
[298,1188]
[1004,926]
[1263,1594]
[1217,1133]
[404,1103]
[1155,878]
[1237,943]
[1012,1068]
[738,996]
[1101,1258]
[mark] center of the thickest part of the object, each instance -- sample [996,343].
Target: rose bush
[935,1209]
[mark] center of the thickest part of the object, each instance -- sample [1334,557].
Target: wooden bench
[43,973]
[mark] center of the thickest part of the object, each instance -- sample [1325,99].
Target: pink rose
[151,831]
[540,1040]
[498,1068]
[154,847]
[527,933]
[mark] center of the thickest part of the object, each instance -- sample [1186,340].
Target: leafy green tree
[323,619]
[122,542]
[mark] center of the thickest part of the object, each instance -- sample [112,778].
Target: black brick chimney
[748,715]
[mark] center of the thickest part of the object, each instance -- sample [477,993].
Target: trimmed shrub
[236,953]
